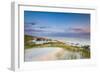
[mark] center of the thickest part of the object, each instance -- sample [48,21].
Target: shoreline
[72,41]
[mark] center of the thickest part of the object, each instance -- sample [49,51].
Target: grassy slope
[28,44]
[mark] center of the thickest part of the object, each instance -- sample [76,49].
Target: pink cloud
[80,29]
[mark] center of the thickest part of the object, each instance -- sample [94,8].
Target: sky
[56,23]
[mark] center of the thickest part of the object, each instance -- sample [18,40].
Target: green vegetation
[83,50]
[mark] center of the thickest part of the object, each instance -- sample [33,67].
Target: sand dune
[49,53]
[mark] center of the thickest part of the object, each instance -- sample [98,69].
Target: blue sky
[56,23]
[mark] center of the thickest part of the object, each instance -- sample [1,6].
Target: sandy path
[47,53]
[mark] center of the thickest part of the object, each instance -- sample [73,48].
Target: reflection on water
[50,53]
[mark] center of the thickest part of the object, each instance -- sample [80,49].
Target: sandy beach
[48,53]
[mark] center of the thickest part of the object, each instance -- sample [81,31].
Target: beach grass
[28,44]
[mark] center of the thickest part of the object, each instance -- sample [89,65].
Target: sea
[72,38]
